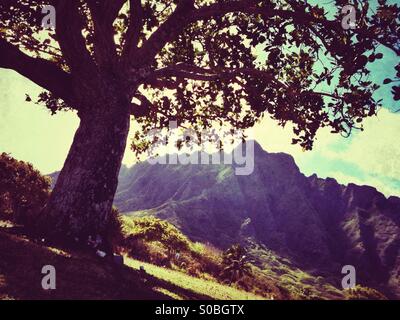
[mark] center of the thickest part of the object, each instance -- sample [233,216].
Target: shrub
[23,191]
[364,293]
[235,264]
[209,258]
[114,229]
[159,242]
[151,229]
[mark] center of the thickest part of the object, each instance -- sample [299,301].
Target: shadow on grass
[78,275]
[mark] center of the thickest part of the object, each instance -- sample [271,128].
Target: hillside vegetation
[79,275]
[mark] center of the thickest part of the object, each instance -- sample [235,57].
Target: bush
[159,242]
[151,229]
[235,264]
[364,293]
[23,191]
[209,257]
[114,229]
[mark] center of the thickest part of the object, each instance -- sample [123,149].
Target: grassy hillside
[83,276]
[213,289]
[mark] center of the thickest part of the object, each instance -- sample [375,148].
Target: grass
[81,275]
[213,289]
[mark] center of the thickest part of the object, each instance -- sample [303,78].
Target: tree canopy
[206,62]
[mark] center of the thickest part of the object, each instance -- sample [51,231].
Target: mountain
[286,220]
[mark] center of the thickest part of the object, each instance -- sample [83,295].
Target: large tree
[199,62]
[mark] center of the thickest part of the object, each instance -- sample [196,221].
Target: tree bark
[81,202]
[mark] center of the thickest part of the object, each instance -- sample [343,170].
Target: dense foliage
[23,190]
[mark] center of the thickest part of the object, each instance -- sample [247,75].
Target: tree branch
[185,13]
[134,28]
[168,31]
[218,9]
[104,45]
[211,74]
[44,73]
[143,109]
[110,9]
[69,26]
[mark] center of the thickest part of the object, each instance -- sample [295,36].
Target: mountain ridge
[317,224]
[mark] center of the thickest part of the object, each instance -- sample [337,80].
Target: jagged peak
[258,149]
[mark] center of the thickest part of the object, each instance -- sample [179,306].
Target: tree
[192,61]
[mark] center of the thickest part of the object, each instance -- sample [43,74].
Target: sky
[372,157]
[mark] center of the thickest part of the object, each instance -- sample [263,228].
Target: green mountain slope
[310,224]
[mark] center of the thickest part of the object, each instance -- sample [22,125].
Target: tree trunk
[81,202]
